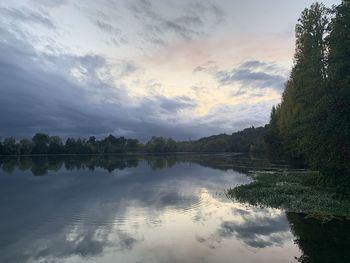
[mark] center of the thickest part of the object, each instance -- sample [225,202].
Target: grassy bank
[303,192]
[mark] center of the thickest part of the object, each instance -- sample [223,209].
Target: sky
[141,68]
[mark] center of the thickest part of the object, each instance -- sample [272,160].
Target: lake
[151,209]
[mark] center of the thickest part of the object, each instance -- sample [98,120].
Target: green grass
[303,192]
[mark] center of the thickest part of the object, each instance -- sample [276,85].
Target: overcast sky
[138,68]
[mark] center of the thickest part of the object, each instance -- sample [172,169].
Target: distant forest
[311,124]
[248,140]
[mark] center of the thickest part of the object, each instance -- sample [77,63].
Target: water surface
[151,209]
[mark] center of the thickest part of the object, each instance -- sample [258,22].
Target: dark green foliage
[301,192]
[132,144]
[76,146]
[55,146]
[339,47]
[215,143]
[10,147]
[112,144]
[161,144]
[250,140]
[25,147]
[41,143]
[313,119]
[272,136]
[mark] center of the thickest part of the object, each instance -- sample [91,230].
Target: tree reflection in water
[321,241]
[82,213]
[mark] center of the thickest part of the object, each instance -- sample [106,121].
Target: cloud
[254,74]
[176,104]
[247,77]
[251,74]
[73,95]
[245,115]
[90,94]
[50,3]
[160,23]
[26,15]
[108,28]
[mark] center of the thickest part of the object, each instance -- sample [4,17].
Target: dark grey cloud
[247,77]
[207,7]
[126,67]
[176,104]
[245,115]
[199,69]
[81,95]
[66,95]
[255,74]
[108,28]
[193,20]
[26,15]
[252,74]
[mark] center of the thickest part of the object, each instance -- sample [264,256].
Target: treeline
[44,144]
[312,123]
[248,140]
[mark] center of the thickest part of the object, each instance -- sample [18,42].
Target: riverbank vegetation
[302,192]
[312,123]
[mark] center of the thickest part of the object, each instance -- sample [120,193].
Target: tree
[1,147]
[272,137]
[10,147]
[307,82]
[55,145]
[25,147]
[314,117]
[328,147]
[92,144]
[171,145]
[132,144]
[70,147]
[41,143]
[156,144]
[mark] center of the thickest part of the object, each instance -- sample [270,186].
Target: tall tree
[328,148]
[307,81]
[314,117]
[308,76]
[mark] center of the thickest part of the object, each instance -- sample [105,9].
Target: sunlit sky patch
[138,68]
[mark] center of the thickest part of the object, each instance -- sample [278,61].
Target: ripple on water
[180,204]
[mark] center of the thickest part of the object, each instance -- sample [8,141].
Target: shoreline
[300,192]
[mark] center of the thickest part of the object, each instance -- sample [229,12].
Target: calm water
[151,209]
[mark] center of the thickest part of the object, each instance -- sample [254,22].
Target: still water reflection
[151,209]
